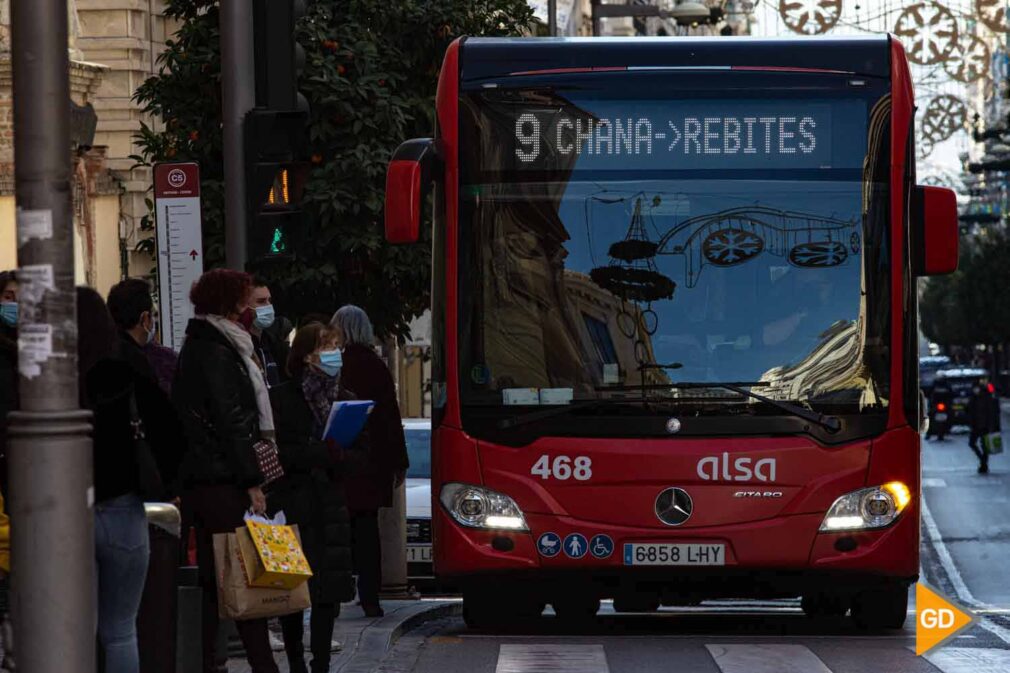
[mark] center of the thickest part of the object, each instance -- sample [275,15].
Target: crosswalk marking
[970,660]
[551,658]
[766,658]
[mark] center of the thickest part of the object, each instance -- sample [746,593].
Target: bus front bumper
[783,556]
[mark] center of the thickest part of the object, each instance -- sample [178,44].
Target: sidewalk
[367,640]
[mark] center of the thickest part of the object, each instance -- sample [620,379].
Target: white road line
[551,658]
[970,660]
[960,588]
[766,659]
[933,482]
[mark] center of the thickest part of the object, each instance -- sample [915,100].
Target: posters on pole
[565,11]
[180,245]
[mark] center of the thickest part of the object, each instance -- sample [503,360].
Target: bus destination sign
[674,136]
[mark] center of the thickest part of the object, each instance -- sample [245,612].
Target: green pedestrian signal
[279,245]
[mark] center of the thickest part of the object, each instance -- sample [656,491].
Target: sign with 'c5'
[937,619]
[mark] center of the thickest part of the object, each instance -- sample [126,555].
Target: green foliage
[185,96]
[370,77]
[970,307]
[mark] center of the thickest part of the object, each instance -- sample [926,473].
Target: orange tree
[370,76]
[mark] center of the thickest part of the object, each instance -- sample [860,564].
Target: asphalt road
[965,554]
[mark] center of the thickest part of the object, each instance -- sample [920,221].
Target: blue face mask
[330,362]
[9,313]
[264,316]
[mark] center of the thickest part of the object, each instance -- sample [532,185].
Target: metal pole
[238,90]
[50,448]
[552,17]
[596,18]
[393,520]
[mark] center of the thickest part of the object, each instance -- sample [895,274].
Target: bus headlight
[478,507]
[867,508]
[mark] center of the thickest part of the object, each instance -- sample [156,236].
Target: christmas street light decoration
[944,116]
[929,31]
[993,14]
[968,61]
[810,17]
[632,273]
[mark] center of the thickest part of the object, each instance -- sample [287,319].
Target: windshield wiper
[830,423]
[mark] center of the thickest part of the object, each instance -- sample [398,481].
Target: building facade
[127,36]
[96,191]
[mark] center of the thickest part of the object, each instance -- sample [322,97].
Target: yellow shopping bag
[236,599]
[272,554]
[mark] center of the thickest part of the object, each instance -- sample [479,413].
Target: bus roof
[492,58]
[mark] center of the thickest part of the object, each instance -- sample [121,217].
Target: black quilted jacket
[217,406]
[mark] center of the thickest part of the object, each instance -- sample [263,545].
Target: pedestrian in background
[8,361]
[8,403]
[224,404]
[266,328]
[132,309]
[984,417]
[6,629]
[116,396]
[311,493]
[366,376]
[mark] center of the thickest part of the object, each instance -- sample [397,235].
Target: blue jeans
[121,551]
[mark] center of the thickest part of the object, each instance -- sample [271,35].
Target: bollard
[189,649]
[393,537]
[156,621]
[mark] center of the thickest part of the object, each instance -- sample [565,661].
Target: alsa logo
[714,468]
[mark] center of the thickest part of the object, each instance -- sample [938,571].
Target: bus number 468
[563,468]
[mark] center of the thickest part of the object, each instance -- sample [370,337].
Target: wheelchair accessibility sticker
[601,546]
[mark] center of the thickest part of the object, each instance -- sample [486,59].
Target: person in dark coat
[132,309]
[8,362]
[984,417]
[224,405]
[311,493]
[366,376]
[112,390]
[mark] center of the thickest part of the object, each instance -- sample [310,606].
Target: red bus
[674,322]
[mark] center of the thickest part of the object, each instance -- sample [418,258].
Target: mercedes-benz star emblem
[674,506]
[673,425]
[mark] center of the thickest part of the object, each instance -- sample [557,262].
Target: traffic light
[276,138]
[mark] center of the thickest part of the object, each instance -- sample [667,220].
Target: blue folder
[346,421]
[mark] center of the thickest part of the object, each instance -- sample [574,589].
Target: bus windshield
[611,243]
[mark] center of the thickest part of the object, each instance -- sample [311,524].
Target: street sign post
[180,245]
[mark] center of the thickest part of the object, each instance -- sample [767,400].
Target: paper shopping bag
[278,561]
[237,600]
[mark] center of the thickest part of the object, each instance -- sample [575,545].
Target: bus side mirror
[407,180]
[934,210]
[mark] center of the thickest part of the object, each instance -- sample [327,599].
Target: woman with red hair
[224,405]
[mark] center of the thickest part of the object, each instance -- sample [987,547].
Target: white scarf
[242,342]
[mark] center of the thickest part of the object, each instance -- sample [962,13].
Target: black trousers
[219,509]
[973,442]
[367,555]
[320,637]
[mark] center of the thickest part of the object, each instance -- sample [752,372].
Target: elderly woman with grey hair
[366,376]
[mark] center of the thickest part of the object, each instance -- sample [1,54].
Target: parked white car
[418,434]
